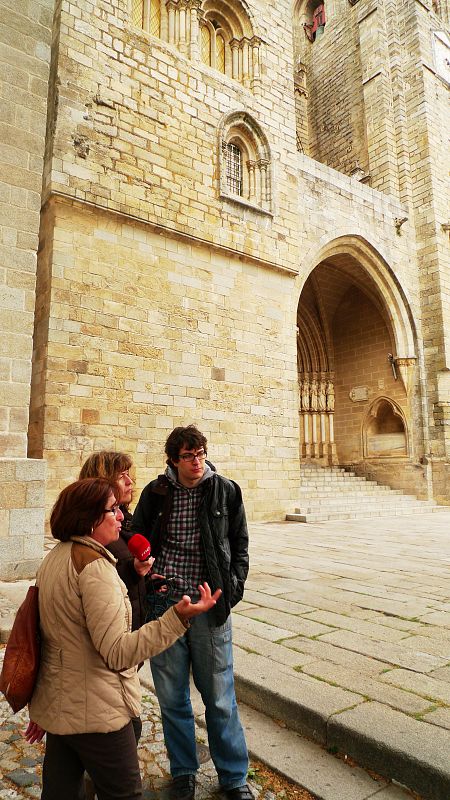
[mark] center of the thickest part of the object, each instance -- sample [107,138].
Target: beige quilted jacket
[88,679]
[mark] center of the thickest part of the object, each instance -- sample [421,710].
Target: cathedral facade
[228,213]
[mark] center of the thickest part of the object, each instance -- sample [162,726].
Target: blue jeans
[209,651]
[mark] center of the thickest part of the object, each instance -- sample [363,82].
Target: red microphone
[140,547]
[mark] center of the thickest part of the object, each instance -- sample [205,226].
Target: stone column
[255,43]
[245,62]
[171,10]
[196,15]
[234,44]
[182,43]
[251,166]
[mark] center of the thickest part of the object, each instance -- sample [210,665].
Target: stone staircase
[332,493]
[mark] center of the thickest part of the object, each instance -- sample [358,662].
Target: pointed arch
[383,285]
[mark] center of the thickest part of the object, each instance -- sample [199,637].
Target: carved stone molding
[406,369]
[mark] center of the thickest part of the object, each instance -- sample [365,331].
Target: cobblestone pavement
[21,763]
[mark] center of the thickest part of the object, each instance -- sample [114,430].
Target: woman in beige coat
[88,690]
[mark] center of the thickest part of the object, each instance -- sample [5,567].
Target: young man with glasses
[195,522]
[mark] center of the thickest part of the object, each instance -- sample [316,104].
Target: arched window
[234,49]
[234,168]
[245,162]
[220,53]
[146,14]
[220,34]
[212,46]
[155,17]
[206,45]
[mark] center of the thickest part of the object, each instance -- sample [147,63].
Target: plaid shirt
[181,552]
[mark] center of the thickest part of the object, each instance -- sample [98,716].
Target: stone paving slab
[379,632]
[294,624]
[442,674]
[413,752]
[423,685]
[265,631]
[254,597]
[391,653]
[370,688]
[282,655]
[336,655]
[439,717]
[433,645]
[323,600]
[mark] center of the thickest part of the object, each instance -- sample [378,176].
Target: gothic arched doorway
[355,345]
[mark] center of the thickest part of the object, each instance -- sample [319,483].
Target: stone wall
[138,129]
[147,332]
[24,55]
[22,504]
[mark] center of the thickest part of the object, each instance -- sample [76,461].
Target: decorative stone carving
[322,396]
[305,395]
[359,394]
[330,396]
[313,395]
[406,370]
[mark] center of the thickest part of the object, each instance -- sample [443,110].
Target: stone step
[340,480]
[354,500]
[334,515]
[328,493]
[325,491]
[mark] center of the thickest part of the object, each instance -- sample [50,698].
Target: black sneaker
[182,788]
[240,793]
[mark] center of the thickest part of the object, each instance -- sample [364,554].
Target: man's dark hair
[189,437]
[80,508]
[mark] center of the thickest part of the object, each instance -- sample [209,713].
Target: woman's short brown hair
[106,464]
[80,508]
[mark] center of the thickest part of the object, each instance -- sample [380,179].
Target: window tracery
[245,162]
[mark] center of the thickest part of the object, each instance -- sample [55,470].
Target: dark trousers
[110,759]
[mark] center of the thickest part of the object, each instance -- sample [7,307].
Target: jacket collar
[89,542]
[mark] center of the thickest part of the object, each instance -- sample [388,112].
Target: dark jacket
[223,532]
[125,567]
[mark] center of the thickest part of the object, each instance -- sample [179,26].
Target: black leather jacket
[223,531]
[125,567]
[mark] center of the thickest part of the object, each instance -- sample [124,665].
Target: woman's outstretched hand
[34,733]
[186,609]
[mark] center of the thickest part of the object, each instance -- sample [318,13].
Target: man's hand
[34,733]
[143,567]
[186,609]
[157,577]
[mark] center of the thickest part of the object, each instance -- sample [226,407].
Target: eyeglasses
[200,454]
[112,510]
